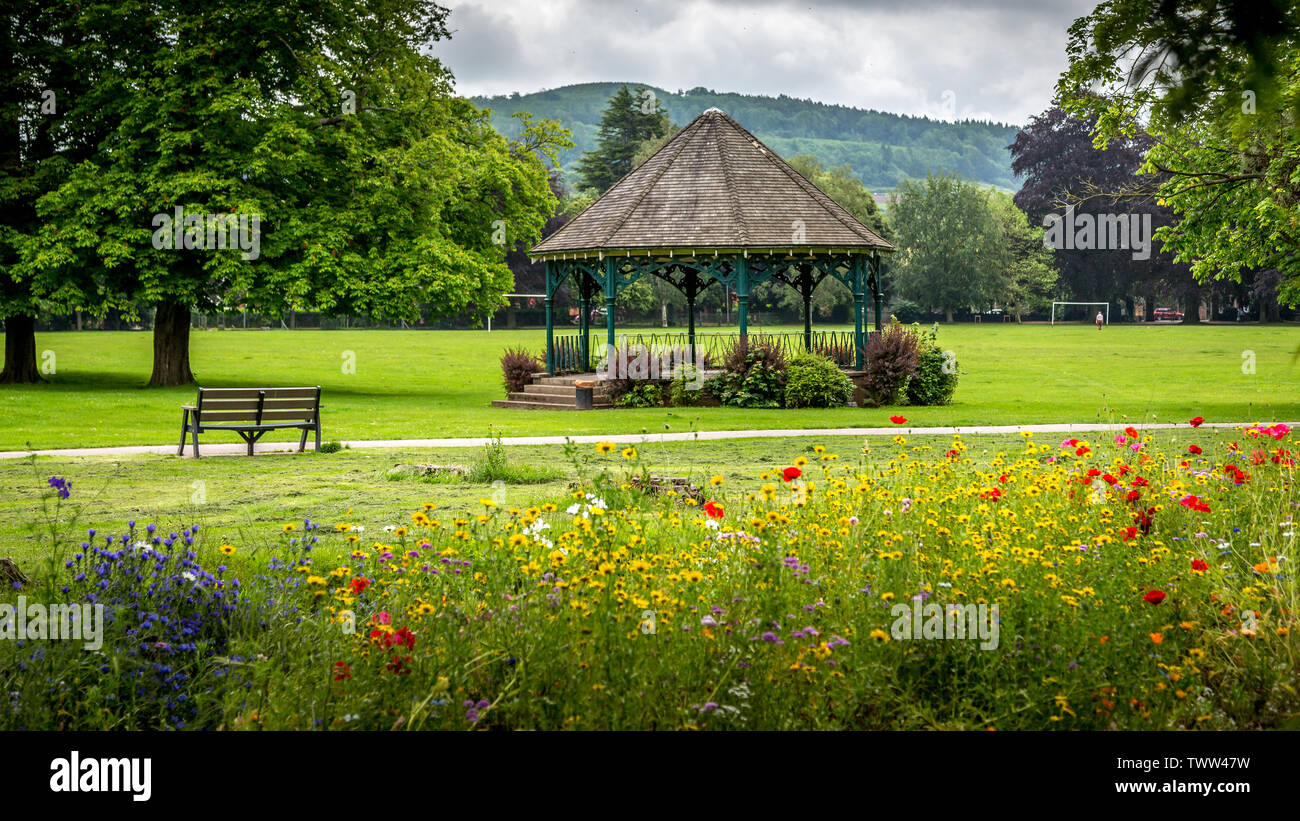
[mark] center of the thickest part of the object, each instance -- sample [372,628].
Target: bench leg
[185,429]
[302,443]
[318,436]
[194,429]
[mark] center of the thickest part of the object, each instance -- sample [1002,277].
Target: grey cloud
[992,60]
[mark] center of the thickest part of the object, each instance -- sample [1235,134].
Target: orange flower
[1157,638]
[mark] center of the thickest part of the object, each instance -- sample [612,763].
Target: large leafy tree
[1029,280]
[949,242]
[60,98]
[1215,87]
[628,121]
[1063,168]
[375,188]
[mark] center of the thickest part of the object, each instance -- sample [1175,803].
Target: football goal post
[1088,314]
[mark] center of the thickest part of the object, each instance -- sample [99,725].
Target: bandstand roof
[714,188]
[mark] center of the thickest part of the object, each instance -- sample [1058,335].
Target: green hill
[881,148]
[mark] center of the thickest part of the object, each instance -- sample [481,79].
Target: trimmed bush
[753,375]
[641,394]
[813,381]
[936,376]
[891,359]
[517,368]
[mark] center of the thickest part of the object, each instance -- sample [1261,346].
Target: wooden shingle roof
[713,186]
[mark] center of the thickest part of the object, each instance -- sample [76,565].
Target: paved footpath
[239,448]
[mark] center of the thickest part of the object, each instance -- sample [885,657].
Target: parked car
[1168,314]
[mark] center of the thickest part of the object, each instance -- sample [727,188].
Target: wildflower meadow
[1123,581]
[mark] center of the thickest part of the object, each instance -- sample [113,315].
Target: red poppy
[898,420]
[1081,451]
[403,637]
[1154,596]
[399,665]
[791,473]
[1199,566]
[1195,450]
[1194,503]
[1133,496]
[1130,533]
[952,454]
[1131,432]
[359,585]
[342,671]
[713,509]
[1138,481]
[1003,478]
[1197,422]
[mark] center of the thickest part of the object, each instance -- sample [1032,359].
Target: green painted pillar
[806,288]
[859,307]
[742,297]
[878,295]
[611,296]
[550,319]
[584,322]
[692,283]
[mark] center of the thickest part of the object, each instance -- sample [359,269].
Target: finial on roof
[714,110]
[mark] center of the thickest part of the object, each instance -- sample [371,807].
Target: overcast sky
[999,59]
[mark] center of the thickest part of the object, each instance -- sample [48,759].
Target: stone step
[568,400]
[563,390]
[565,380]
[511,403]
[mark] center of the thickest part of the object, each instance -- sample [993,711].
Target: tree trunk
[20,352]
[1149,307]
[1192,307]
[947,313]
[171,346]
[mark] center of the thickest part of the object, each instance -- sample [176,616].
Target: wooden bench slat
[251,404]
[251,393]
[206,416]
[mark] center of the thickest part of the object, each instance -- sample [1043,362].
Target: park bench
[251,412]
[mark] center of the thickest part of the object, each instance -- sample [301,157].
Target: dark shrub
[753,375]
[517,368]
[891,359]
[905,310]
[813,381]
[936,374]
[641,394]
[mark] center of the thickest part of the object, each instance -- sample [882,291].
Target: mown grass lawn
[424,384]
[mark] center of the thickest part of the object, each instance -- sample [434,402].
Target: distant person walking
[1100,320]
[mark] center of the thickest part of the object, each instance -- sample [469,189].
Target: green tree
[365,186]
[59,100]
[949,240]
[1214,86]
[1028,280]
[628,121]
